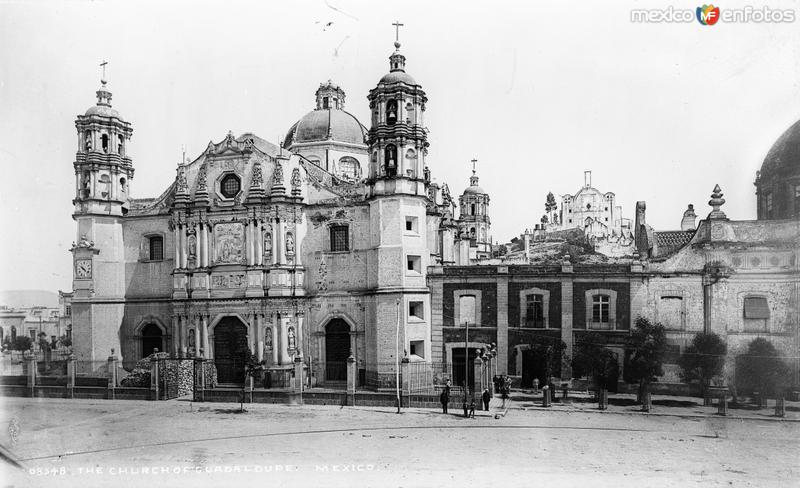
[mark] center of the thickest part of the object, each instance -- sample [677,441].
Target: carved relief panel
[229,243]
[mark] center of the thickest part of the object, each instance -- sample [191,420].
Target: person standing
[445,399]
[487,397]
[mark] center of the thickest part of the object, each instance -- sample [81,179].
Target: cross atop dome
[473,180]
[397,26]
[103,94]
[397,62]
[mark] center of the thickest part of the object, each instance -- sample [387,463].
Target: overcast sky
[537,91]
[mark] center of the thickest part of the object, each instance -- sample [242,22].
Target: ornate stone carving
[229,243]
[183,187]
[290,339]
[322,283]
[229,281]
[296,180]
[258,177]
[289,243]
[201,178]
[277,176]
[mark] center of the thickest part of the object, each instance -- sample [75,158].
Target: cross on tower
[473,165]
[397,26]
[103,65]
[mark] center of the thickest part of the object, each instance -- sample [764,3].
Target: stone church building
[310,251]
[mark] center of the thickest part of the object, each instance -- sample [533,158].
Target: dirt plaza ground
[180,443]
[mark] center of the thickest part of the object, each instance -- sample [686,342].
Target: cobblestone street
[177,443]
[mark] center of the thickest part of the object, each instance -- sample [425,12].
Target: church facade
[312,251]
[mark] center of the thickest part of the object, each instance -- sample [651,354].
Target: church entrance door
[230,350]
[337,350]
[151,340]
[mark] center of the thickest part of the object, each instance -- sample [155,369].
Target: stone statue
[201,178]
[192,246]
[267,339]
[292,345]
[183,187]
[267,243]
[289,243]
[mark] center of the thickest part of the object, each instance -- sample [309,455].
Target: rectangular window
[416,310]
[412,224]
[417,348]
[156,248]
[340,239]
[414,264]
[756,308]
[600,308]
[466,309]
[534,311]
[670,312]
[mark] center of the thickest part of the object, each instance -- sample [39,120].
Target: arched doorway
[152,339]
[337,350]
[230,350]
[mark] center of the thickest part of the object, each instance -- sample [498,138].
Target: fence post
[31,373]
[780,406]
[722,406]
[351,380]
[478,366]
[71,376]
[112,374]
[405,378]
[602,399]
[154,377]
[298,374]
[546,396]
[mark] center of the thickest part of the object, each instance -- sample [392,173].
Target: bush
[703,359]
[21,343]
[761,369]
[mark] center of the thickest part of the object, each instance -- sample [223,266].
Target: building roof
[398,76]
[784,156]
[670,241]
[326,124]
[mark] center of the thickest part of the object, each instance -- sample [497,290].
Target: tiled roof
[670,241]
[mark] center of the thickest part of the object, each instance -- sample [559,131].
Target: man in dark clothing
[487,397]
[445,399]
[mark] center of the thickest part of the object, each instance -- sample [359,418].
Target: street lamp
[397,357]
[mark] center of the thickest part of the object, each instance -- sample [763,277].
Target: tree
[647,346]
[550,205]
[591,358]
[251,369]
[761,368]
[703,359]
[65,341]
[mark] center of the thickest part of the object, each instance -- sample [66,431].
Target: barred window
[156,248]
[340,238]
[230,186]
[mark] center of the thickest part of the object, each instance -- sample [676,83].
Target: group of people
[502,384]
[469,410]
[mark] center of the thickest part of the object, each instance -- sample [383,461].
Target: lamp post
[466,363]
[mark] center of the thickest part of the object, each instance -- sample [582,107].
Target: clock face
[83,268]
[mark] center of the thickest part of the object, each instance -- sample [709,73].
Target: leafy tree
[252,368]
[21,343]
[65,341]
[761,368]
[648,346]
[591,358]
[703,359]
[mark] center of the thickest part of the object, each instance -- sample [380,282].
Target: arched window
[349,168]
[121,145]
[391,160]
[105,142]
[391,112]
[122,184]
[88,140]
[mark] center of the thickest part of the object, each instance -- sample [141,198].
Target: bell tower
[397,192]
[103,171]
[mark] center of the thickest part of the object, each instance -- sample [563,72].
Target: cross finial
[473,165]
[103,65]
[397,25]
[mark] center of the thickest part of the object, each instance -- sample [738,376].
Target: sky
[538,92]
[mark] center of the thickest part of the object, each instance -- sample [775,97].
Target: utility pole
[397,357]
[466,362]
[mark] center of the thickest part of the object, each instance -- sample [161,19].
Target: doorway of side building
[460,368]
[230,350]
[337,350]
[534,366]
[152,339]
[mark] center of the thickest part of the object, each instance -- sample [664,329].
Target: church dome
[103,107]
[784,156]
[326,124]
[475,189]
[397,77]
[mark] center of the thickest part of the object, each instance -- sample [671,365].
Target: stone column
[112,374]
[502,321]
[259,338]
[197,344]
[284,352]
[206,250]
[477,365]
[182,245]
[282,242]
[71,374]
[197,242]
[177,246]
[248,242]
[275,341]
[204,334]
[566,325]
[182,334]
[175,336]
[274,254]
[201,246]
[258,240]
[299,333]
